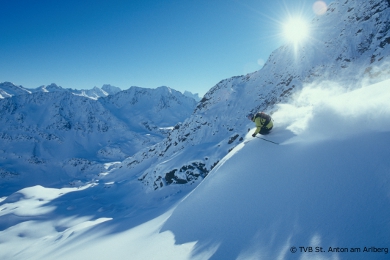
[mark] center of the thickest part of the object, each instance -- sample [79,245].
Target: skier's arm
[257,130]
[259,125]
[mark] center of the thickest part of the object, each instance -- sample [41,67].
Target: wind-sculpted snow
[349,45]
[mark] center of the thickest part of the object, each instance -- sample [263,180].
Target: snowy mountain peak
[162,105]
[350,45]
[165,88]
[93,130]
[50,88]
[191,95]
[322,193]
[8,89]
[110,90]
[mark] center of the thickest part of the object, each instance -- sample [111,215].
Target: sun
[296,30]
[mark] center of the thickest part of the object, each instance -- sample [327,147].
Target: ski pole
[267,140]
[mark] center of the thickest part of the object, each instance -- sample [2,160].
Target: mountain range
[8,89]
[127,179]
[52,128]
[348,45]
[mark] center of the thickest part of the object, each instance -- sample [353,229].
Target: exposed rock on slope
[351,42]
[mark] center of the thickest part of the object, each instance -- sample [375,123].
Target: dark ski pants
[265,131]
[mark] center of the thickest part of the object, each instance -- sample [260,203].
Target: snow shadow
[267,199]
[325,187]
[76,217]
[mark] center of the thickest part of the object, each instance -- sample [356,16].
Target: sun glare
[295,30]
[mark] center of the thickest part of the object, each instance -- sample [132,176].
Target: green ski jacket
[260,124]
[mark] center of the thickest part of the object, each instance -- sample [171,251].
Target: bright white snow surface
[327,185]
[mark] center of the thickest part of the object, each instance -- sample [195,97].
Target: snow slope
[349,45]
[325,187]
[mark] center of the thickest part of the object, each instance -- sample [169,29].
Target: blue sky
[183,44]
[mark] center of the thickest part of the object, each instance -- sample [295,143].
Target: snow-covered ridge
[322,194]
[326,186]
[191,95]
[349,45]
[48,131]
[8,89]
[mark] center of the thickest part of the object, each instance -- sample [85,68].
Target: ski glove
[254,135]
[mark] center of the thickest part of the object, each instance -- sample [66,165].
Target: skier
[263,123]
